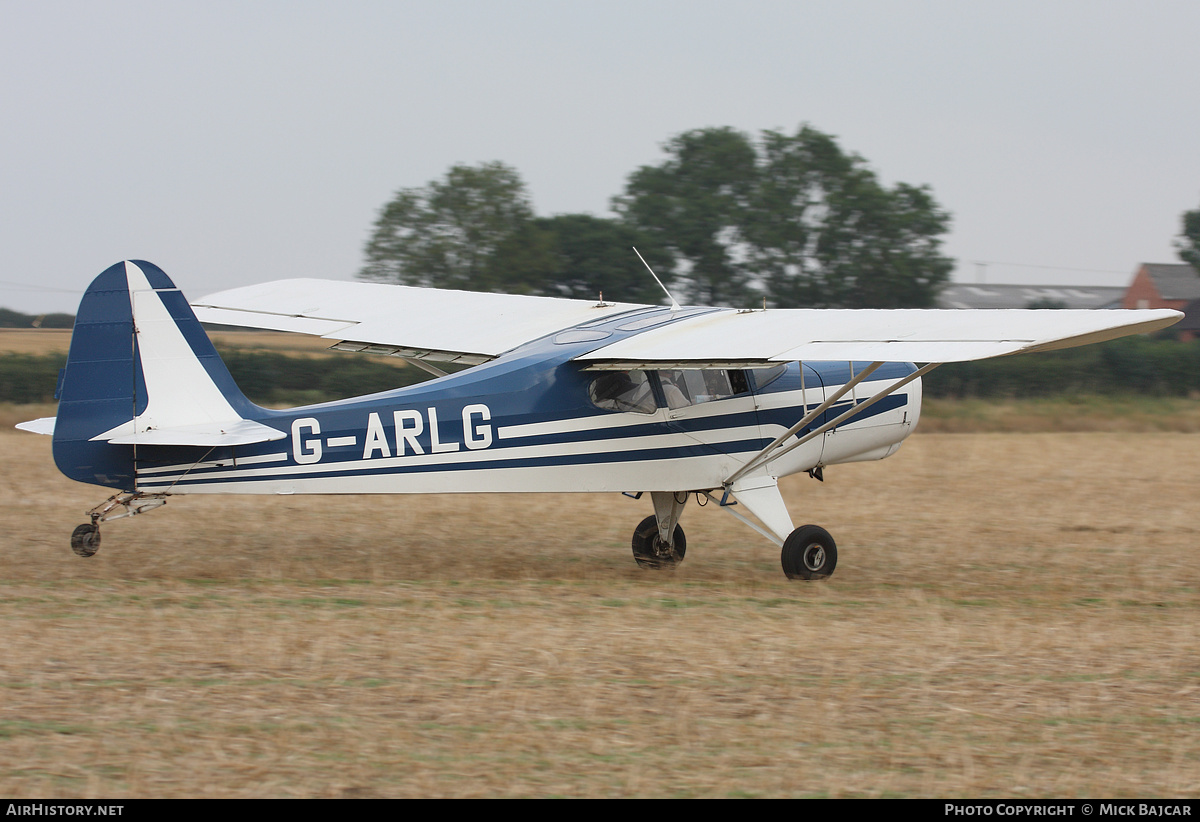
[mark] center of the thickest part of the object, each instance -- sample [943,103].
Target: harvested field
[55,340]
[35,340]
[1013,615]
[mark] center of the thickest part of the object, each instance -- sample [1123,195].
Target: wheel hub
[814,557]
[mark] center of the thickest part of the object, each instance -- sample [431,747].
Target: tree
[792,218]
[695,204]
[447,234]
[588,256]
[826,233]
[1188,243]
[475,230]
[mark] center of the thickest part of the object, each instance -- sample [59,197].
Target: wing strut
[774,451]
[424,366]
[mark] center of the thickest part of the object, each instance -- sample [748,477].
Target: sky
[239,142]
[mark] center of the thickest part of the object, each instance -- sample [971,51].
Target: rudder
[139,364]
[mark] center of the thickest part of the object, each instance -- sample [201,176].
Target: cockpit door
[783,394]
[714,407]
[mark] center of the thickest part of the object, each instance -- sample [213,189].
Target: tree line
[16,319]
[1128,366]
[724,219]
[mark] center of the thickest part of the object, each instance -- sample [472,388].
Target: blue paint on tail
[103,385]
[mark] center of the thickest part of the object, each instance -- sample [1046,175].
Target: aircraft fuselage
[528,421]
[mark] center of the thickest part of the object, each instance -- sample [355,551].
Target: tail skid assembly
[85,540]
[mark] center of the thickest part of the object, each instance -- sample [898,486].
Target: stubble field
[1012,615]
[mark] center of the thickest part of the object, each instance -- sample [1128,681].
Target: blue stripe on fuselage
[347,461]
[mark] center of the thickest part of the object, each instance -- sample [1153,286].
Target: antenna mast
[674,305]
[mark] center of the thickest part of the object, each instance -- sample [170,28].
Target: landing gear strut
[658,541]
[651,552]
[809,552]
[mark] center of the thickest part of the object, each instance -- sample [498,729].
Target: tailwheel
[651,552]
[809,553]
[85,540]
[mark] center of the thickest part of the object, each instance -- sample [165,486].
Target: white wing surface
[903,335]
[473,327]
[431,323]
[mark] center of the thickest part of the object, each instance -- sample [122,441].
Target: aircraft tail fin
[142,372]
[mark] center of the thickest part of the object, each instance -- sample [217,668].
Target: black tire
[651,552]
[809,553]
[85,540]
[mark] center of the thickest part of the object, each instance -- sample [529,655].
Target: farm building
[1155,285]
[1168,285]
[965,295]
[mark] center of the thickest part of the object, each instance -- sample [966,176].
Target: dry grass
[1013,615]
[1065,414]
[57,341]
[36,341]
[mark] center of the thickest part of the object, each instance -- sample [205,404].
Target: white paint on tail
[184,406]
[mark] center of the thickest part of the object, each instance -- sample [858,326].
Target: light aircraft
[562,395]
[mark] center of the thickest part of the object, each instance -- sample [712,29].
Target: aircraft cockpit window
[682,388]
[765,376]
[623,391]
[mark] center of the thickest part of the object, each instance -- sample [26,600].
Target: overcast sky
[237,142]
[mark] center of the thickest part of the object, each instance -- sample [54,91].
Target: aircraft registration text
[399,436]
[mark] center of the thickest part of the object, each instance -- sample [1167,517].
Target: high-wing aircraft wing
[731,338]
[423,323]
[471,327]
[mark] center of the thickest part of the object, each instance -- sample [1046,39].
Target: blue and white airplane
[562,395]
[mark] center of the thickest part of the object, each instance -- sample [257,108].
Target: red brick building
[1168,285]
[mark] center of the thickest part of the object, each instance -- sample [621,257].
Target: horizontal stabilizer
[42,425]
[239,432]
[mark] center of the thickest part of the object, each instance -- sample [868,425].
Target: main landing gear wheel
[651,552]
[809,553]
[85,540]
